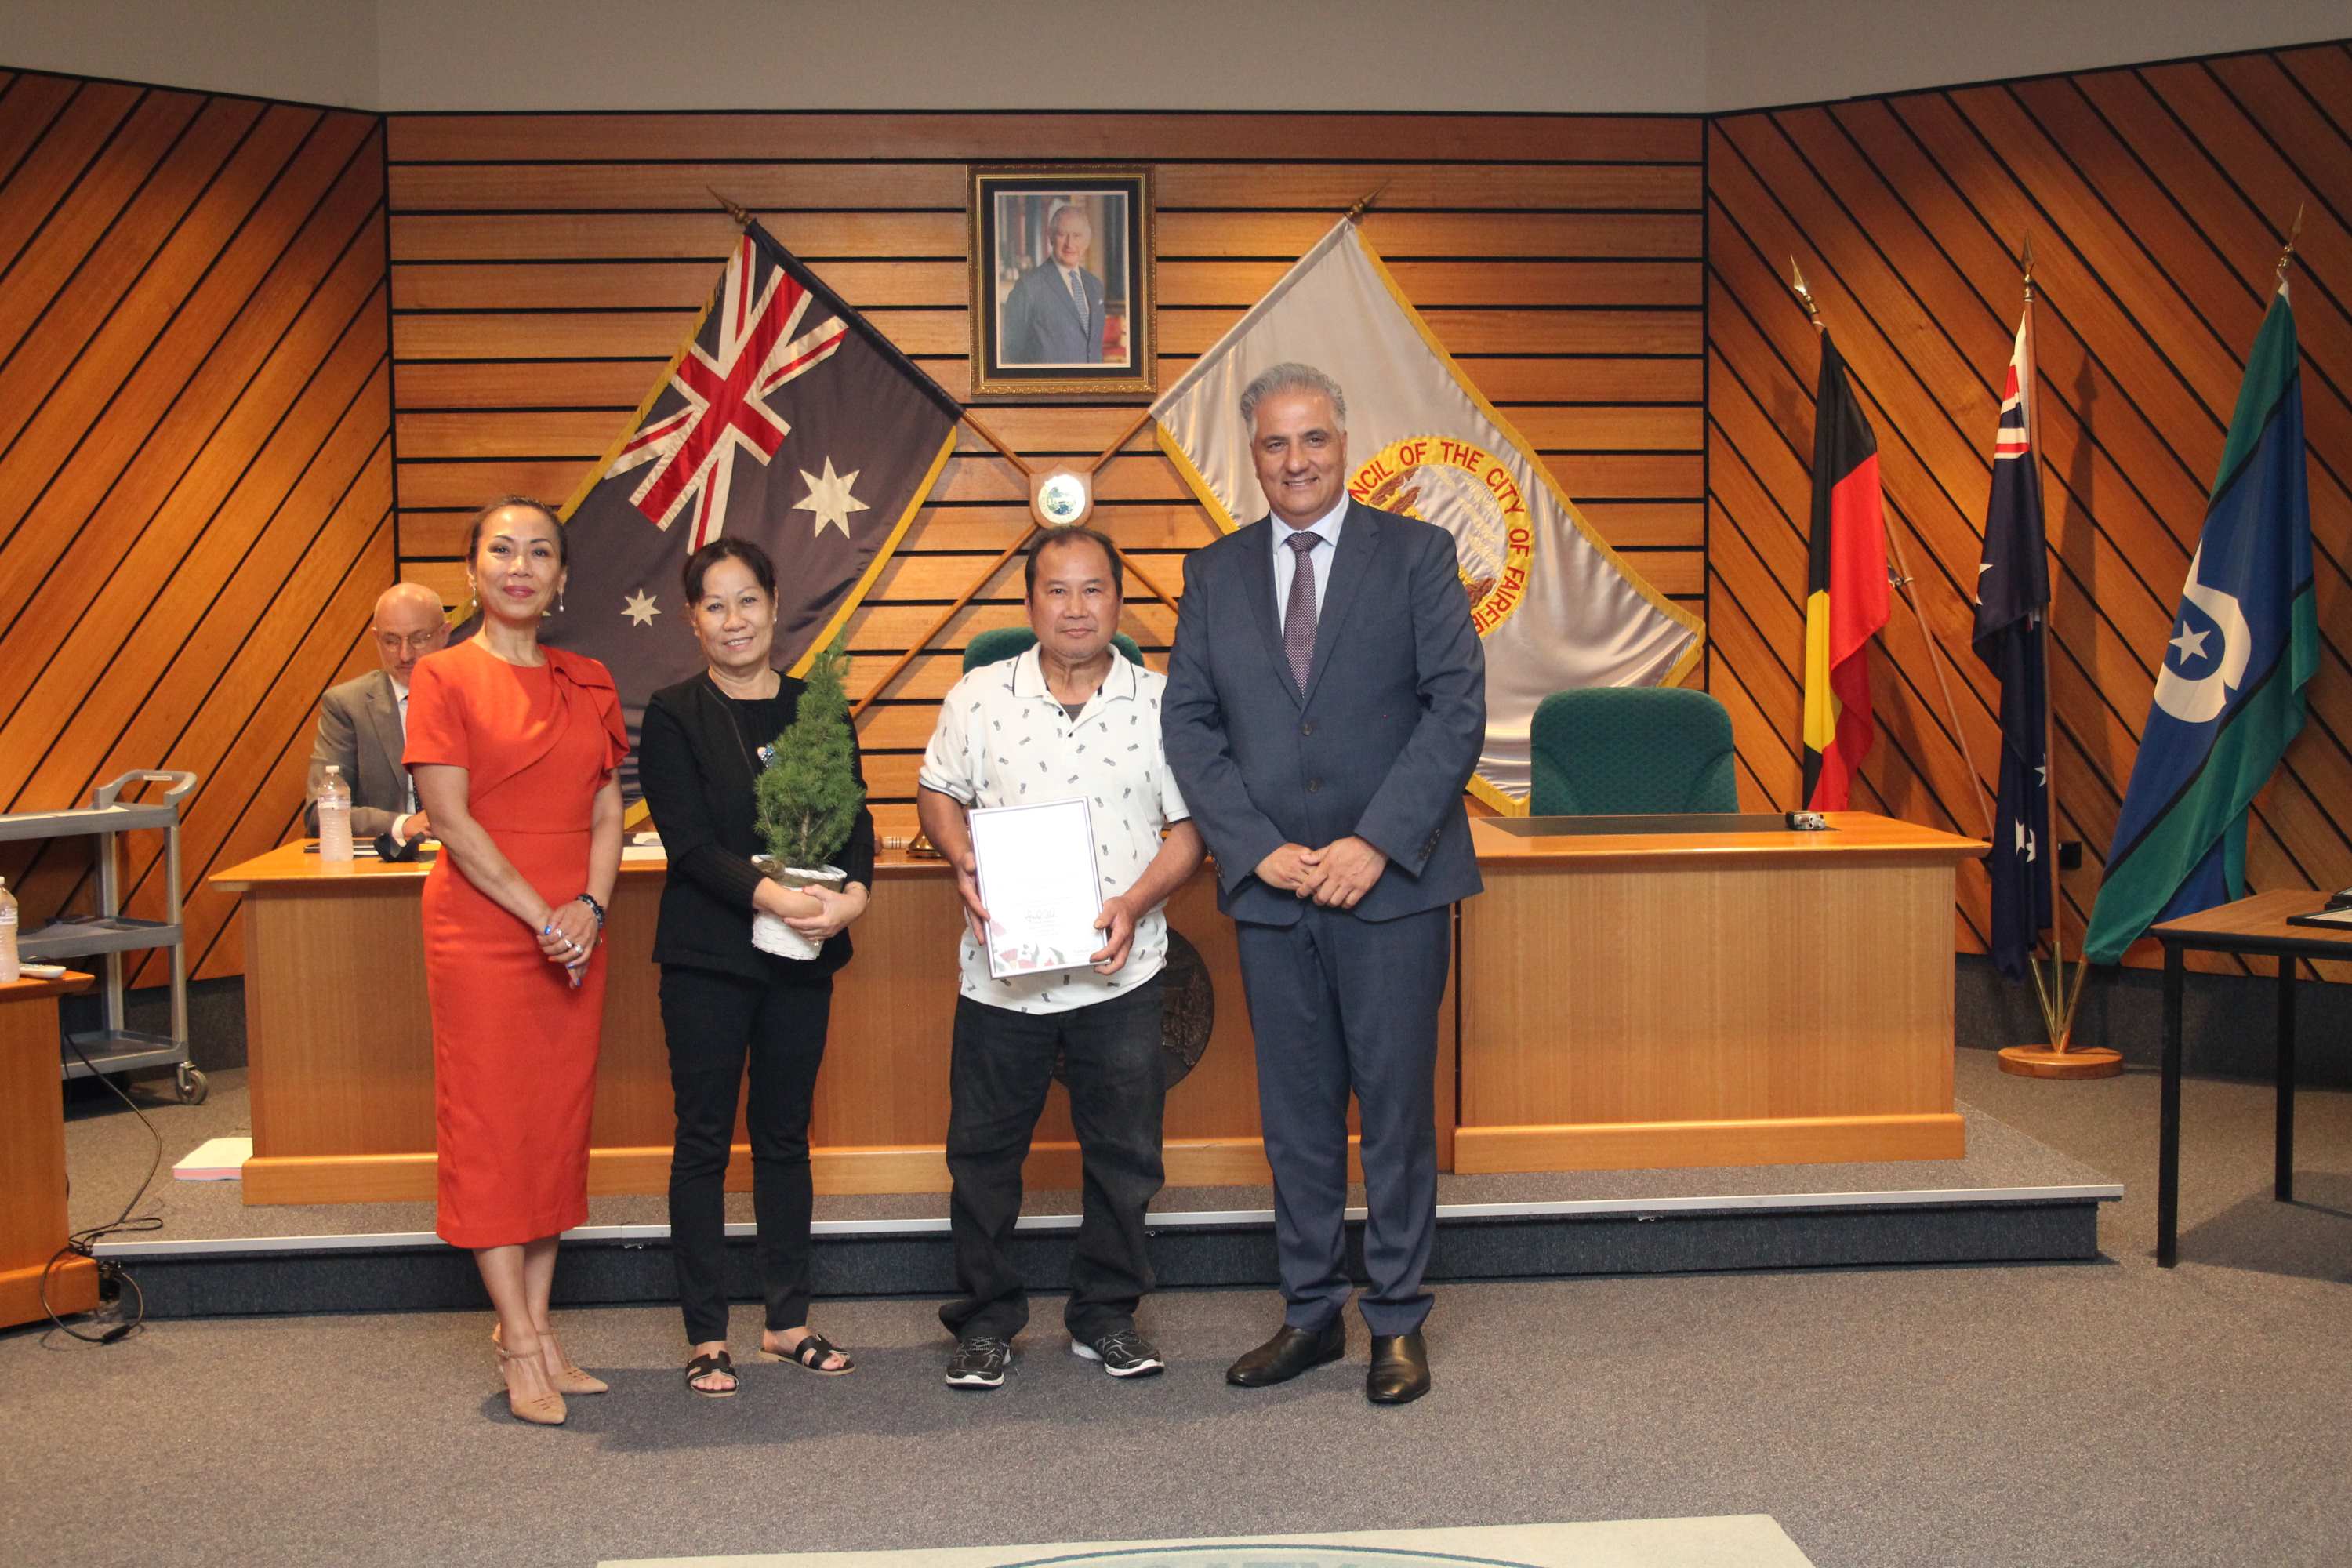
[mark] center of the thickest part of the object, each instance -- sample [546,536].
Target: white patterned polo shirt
[1003,740]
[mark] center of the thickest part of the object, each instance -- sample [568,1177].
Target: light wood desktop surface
[33,1223]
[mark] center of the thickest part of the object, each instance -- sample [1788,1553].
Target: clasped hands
[568,935]
[1336,876]
[815,912]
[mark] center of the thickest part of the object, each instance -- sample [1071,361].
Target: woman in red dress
[513,748]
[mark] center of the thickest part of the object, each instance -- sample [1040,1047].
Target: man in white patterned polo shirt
[1067,717]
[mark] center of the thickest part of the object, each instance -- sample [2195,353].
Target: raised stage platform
[2011,1199]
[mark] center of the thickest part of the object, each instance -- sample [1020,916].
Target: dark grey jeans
[1001,1064]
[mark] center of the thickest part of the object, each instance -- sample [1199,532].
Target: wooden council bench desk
[1627,1000]
[1638,999]
[339,1043]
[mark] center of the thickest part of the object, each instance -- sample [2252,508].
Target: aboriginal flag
[1845,588]
[785,419]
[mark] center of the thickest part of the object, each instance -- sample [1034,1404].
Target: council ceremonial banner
[2229,694]
[1555,608]
[786,420]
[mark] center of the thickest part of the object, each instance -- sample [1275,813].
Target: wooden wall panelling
[194,463]
[2153,197]
[536,291]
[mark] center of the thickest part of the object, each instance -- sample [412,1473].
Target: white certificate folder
[1040,883]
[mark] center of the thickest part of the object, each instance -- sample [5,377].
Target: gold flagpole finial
[743,216]
[2287,256]
[1365,201]
[2025,260]
[1797,282]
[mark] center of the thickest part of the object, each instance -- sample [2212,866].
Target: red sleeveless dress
[514,1044]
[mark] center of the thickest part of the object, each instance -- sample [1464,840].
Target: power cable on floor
[114,1280]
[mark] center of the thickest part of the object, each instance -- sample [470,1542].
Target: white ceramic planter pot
[770,935]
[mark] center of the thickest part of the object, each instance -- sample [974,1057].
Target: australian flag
[785,419]
[2230,692]
[2011,628]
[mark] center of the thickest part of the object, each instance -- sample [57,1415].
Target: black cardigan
[695,767]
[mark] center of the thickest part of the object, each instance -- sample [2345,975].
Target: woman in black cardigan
[701,746]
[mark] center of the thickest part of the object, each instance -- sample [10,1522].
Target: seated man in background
[364,722]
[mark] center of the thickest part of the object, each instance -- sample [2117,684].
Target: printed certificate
[1041,886]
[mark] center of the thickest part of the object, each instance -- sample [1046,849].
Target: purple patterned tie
[1299,614]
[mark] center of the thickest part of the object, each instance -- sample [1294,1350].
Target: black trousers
[1000,1066]
[1341,1005]
[715,1022]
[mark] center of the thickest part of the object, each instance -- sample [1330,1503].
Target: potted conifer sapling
[807,799]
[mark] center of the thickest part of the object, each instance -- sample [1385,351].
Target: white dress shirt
[1003,740]
[1285,560]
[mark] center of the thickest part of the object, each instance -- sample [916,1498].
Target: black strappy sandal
[703,1366]
[811,1354]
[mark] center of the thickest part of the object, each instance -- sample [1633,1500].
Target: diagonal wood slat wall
[221,320]
[195,474]
[2153,197]
[544,266]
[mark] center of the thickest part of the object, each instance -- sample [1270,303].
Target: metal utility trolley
[116,1048]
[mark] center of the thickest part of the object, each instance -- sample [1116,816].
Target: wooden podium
[33,1156]
[1637,999]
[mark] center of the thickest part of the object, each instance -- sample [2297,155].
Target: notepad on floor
[214,1160]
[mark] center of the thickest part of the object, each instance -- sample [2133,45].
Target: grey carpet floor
[2101,1414]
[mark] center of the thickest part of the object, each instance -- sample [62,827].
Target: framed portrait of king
[1061,281]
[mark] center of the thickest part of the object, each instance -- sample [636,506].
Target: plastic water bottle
[8,970]
[334,817]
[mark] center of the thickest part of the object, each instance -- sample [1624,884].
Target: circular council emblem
[1062,498]
[1470,493]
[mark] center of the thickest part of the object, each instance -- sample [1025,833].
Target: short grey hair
[1292,376]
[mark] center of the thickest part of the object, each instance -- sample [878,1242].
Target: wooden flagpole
[2056,1060]
[1902,581]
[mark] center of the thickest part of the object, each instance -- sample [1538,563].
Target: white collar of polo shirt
[1118,684]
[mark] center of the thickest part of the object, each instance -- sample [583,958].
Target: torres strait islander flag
[784,420]
[1554,606]
[1845,588]
[2229,696]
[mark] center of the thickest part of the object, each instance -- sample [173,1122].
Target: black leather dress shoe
[1288,1354]
[1399,1372]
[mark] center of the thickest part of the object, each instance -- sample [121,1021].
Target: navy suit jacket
[1041,322]
[1378,745]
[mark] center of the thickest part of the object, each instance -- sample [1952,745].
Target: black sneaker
[1123,1351]
[979,1362]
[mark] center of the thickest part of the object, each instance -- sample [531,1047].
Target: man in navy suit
[1325,705]
[1054,313]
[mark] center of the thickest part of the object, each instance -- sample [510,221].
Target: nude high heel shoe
[539,1409]
[564,1377]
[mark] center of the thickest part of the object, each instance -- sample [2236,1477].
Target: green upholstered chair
[1628,751]
[1010,642]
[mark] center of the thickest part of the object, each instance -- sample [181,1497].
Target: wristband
[594,908]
